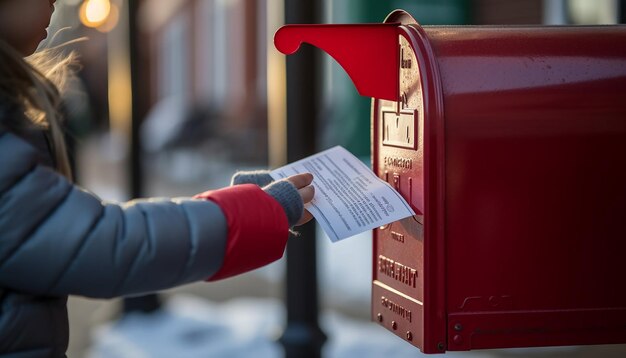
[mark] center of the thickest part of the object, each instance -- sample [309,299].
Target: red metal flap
[367,52]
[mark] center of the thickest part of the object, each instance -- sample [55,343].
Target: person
[57,239]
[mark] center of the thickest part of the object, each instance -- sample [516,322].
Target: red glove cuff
[257,228]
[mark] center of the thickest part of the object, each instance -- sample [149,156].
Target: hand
[302,182]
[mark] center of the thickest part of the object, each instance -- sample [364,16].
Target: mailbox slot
[399,129]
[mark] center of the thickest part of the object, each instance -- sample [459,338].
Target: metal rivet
[409,335]
[458,327]
[457,339]
[379,317]
[440,346]
[394,325]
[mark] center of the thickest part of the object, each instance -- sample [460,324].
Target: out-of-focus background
[210,99]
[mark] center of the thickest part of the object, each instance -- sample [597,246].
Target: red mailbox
[510,144]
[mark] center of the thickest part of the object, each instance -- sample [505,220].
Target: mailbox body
[511,144]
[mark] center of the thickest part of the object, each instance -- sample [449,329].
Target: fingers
[301,180]
[307,193]
[303,183]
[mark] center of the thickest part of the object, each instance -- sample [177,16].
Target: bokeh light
[111,21]
[94,13]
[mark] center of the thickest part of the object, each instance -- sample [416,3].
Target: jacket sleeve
[57,239]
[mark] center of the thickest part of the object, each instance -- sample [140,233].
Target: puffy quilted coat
[57,239]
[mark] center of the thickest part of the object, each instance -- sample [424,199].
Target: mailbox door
[407,274]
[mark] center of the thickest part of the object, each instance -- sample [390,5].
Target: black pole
[621,18]
[150,302]
[136,175]
[302,337]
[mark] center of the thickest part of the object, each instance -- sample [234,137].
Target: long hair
[33,84]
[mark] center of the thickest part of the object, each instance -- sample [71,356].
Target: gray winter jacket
[57,240]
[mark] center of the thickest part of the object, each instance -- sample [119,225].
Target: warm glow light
[94,13]
[111,21]
[97,10]
[119,89]
[276,88]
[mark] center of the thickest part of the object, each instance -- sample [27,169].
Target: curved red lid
[367,52]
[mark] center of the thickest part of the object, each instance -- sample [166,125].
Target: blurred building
[208,57]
